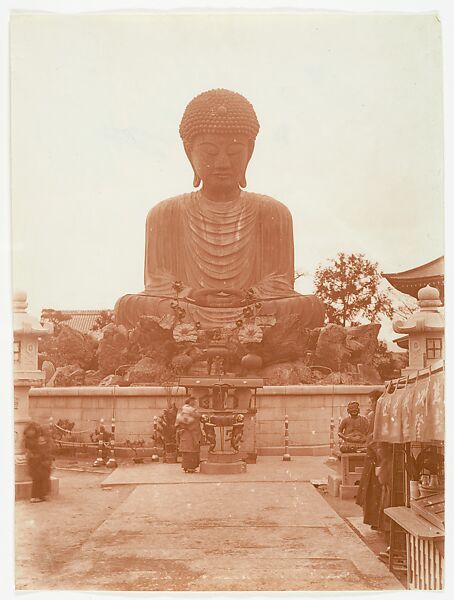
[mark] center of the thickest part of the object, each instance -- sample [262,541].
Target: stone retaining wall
[309,408]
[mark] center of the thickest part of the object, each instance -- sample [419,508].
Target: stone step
[223,468]
[351,479]
[348,492]
[224,457]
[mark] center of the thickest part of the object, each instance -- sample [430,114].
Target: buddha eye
[234,148]
[210,149]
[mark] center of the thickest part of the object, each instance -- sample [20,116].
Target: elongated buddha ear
[196,181]
[242,182]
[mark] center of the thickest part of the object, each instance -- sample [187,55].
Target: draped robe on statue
[241,244]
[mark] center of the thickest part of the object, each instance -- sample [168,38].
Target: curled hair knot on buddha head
[218,111]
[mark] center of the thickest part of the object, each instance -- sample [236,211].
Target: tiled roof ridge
[88,311]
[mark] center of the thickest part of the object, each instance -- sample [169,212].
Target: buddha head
[353,408]
[218,130]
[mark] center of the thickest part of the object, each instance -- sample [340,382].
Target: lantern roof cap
[23,323]
[428,318]
[429,296]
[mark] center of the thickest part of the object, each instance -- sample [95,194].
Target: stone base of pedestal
[24,488]
[223,468]
[223,463]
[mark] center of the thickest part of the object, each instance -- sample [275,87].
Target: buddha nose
[222,161]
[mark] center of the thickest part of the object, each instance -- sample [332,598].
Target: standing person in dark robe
[189,436]
[38,446]
[369,490]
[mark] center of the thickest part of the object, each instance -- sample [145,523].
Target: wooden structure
[424,548]
[411,281]
[410,416]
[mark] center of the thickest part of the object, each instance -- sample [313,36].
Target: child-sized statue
[353,430]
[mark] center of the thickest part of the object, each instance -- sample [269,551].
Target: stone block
[334,482]
[223,468]
[269,439]
[276,413]
[294,451]
[264,402]
[348,492]
[308,439]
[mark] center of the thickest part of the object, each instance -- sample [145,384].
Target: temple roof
[411,281]
[82,320]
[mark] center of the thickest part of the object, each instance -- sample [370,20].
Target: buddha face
[220,160]
[353,410]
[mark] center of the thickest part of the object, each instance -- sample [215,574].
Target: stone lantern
[27,329]
[425,329]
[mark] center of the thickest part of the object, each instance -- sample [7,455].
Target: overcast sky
[350,108]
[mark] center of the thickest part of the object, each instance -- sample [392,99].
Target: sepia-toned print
[228,302]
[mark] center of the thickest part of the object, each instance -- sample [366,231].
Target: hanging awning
[412,409]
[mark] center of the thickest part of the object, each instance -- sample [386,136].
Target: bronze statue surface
[219,241]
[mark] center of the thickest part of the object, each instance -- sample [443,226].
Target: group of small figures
[234,435]
[172,419]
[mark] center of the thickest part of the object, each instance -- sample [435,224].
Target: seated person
[353,430]
[219,241]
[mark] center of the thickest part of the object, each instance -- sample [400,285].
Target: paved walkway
[267,529]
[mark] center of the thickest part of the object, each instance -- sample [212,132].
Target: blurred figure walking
[39,452]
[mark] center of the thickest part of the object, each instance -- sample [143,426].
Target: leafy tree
[350,289]
[105,318]
[57,317]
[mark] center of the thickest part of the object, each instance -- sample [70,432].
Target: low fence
[310,409]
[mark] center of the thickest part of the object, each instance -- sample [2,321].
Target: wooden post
[99,459]
[155,457]
[286,452]
[112,463]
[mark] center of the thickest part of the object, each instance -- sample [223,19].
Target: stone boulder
[93,377]
[390,364]
[68,376]
[287,341]
[112,349]
[286,373]
[362,343]
[112,380]
[147,371]
[341,347]
[68,347]
[338,378]
[364,375]
[368,374]
[331,350]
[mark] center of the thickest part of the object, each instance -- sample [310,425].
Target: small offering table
[425,549]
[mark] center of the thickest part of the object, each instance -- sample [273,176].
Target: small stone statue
[209,431]
[236,434]
[353,430]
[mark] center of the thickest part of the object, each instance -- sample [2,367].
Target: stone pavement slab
[267,468]
[229,535]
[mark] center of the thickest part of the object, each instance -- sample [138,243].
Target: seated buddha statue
[219,241]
